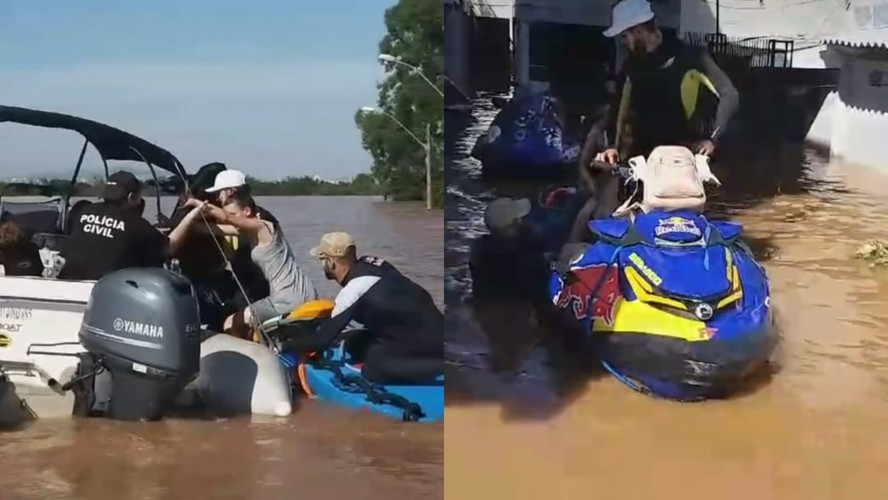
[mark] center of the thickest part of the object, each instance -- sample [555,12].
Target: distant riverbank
[360,185]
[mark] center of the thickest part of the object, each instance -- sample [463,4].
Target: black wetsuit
[514,268]
[656,111]
[404,329]
[656,116]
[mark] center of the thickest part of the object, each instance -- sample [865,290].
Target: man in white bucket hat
[664,88]
[665,94]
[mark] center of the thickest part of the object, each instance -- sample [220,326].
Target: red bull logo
[578,295]
[670,225]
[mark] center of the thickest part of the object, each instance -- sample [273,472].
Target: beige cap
[333,244]
[503,212]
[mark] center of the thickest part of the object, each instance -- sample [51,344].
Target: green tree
[415,35]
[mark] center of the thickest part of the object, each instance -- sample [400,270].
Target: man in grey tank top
[289,286]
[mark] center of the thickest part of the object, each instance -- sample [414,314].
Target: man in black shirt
[404,329]
[112,235]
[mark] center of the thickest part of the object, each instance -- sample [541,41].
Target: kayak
[332,378]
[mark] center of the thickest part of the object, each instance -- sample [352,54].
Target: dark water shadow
[531,369]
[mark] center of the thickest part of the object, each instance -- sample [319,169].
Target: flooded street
[526,420]
[319,452]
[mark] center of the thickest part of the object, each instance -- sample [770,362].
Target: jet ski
[675,305]
[334,377]
[527,139]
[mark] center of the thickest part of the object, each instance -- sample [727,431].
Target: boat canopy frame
[111,143]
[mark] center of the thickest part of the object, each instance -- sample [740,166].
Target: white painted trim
[15,287]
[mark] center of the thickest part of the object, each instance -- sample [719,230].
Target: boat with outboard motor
[58,338]
[527,139]
[333,376]
[675,304]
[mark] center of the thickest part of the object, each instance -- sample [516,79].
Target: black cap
[119,185]
[205,177]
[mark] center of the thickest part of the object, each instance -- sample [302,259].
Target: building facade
[848,35]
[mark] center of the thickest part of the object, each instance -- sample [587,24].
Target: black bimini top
[111,143]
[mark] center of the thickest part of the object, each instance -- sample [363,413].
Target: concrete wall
[456,46]
[577,12]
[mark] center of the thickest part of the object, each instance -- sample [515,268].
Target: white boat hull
[237,376]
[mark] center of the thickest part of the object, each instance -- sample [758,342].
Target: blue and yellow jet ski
[676,304]
[527,139]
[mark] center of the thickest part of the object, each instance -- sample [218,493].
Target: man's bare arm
[728,97]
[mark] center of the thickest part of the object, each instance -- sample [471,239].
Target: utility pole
[428,165]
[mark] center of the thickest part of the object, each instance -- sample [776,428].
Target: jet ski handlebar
[620,169]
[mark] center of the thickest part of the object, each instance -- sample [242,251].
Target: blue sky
[267,86]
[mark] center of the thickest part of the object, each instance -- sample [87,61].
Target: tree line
[360,185]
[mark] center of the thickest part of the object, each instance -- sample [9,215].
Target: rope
[254,322]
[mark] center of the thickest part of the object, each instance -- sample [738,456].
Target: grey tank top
[286,280]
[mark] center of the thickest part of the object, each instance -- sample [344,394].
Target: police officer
[112,235]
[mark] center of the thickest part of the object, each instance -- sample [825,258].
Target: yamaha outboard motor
[141,331]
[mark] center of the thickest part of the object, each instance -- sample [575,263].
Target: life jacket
[670,102]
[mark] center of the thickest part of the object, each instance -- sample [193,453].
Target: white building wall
[852,122]
[860,126]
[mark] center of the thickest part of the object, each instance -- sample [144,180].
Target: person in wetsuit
[509,261]
[660,100]
[113,235]
[403,336]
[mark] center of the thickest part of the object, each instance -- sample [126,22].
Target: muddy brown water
[526,420]
[319,452]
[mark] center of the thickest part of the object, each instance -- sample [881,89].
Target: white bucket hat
[627,14]
[228,179]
